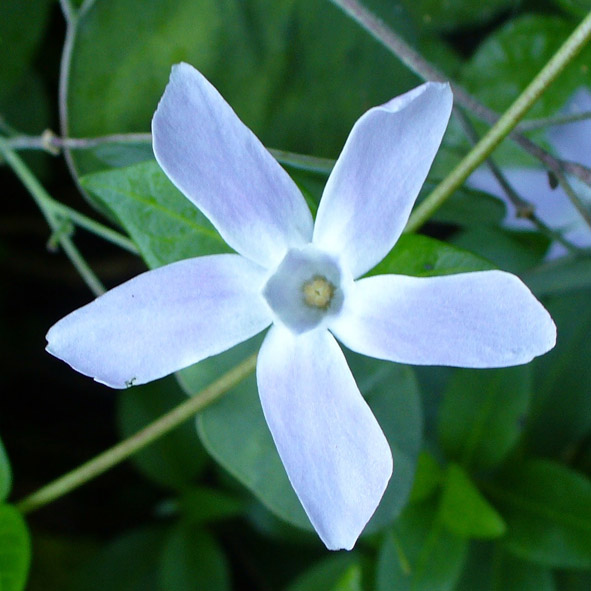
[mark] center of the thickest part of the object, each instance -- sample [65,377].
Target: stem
[418,64]
[72,20]
[92,226]
[52,143]
[503,126]
[141,439]
[42,199]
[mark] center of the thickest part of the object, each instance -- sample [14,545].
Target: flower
[571,141]
[303,279]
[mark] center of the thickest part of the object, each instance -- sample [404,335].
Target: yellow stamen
[318,292]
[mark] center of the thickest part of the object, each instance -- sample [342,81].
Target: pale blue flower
[304,280]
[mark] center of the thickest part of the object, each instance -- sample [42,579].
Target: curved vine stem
[120,452]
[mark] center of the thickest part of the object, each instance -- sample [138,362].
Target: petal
[483,319]
[218,163]
[335,454]
[373,186]
[163,320]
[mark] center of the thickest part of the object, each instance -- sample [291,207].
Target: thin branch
[49,142]
[59,234]
[68,10]
[418,64]
[126,448]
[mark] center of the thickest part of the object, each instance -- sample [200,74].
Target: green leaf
[490,568]
[448,16]
[128,563]
[547,508]
[204,505]
[124,50]
[15,549]
[507,61]
[350,580]
[421,555]
[512,573]
[561,407]
[192,559]
[482,414]
[5,474]
[421,256]
[464,511]
[173,460]
[122,58]
[469,207]
[508,250]
[164,224]
[560,276]
[428,478]
[327,573]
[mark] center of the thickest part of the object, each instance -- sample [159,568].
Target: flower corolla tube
[304,280]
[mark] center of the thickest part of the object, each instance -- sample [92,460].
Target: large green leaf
[464,511]
[15,549]
[507,61]
[192,560]
[125,48]
[420,555]
[547,508]
[235,433]
[421,256]
[173,460]
[5,474]
[165,225]
[482,414]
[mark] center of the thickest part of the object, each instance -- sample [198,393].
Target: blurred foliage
[491,486]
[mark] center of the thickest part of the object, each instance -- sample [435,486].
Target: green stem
[141,439]
[43,200]
[93,226]
[49,142]
[503,126]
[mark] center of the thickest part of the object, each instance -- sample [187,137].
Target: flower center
[318,292]
[306,289]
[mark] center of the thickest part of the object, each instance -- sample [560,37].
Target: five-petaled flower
[305,280]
